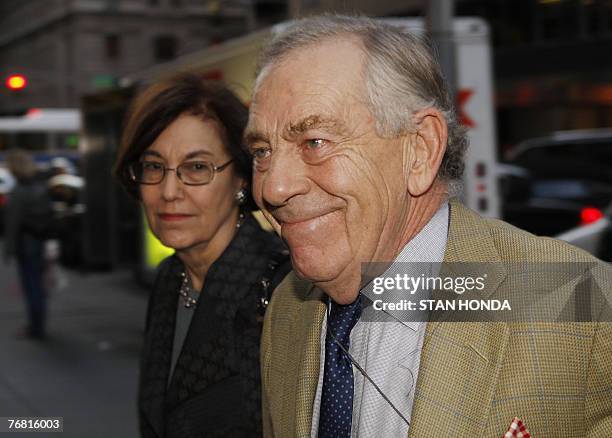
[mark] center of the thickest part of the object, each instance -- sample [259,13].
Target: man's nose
[284,179]
[171,186]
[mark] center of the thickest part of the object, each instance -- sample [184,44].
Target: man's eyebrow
[252,137]
[314,121]
[295,129]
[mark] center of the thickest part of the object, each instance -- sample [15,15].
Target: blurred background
[532,80]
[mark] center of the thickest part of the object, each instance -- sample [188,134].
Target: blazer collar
[309,325]
[470,241]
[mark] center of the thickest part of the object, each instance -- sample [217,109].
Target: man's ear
[428,146]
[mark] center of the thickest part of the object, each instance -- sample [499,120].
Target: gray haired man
[355,147]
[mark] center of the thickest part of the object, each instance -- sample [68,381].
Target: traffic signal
[16,82]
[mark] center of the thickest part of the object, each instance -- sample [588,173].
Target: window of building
[164,47]
[557,20]
[112,46]
[270,11]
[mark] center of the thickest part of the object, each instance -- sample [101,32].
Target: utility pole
[440,25]
[295,9]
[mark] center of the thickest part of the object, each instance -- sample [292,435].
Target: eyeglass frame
[165,170]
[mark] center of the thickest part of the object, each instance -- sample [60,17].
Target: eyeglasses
[191,173]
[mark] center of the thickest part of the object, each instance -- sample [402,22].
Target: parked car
[556,183]
[595,238]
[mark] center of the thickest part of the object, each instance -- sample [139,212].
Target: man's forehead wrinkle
[252,133]
[284,106]
[257,126]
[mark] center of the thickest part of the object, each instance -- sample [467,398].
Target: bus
[41,129]
[46,132]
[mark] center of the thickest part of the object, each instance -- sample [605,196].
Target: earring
[241,196]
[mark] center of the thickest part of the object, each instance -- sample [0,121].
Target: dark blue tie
[337,395]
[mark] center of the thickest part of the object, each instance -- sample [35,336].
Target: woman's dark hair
[162,103]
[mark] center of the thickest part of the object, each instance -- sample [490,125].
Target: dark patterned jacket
[215,389]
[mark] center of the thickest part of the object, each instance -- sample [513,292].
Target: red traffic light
[16,82]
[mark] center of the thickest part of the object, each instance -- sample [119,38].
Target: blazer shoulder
[516,244]
[512,244]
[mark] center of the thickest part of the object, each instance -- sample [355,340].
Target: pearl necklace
[241,218]
[184,290]
[190,302]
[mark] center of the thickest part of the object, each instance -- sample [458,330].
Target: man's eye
[260,153]
[314,143]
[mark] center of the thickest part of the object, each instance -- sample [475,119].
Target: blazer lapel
[300,374]
[309,328]
[460,362]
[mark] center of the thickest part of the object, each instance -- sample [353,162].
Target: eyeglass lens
[191,172]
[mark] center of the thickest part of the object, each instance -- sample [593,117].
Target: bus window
[32,141]
[5,141]
[67,140]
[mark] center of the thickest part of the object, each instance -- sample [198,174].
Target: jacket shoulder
[516,244]
[511,243]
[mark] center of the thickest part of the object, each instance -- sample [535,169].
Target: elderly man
[355,146]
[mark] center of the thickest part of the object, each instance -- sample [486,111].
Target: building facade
[68,48]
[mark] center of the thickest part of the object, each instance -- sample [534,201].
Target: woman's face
[183,216]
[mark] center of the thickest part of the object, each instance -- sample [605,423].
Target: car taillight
[2,200]
[589,215]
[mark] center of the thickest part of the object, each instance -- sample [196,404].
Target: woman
[181,155]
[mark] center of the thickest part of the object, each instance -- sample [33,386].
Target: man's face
[329,185]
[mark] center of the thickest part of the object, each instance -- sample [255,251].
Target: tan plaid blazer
[474,378]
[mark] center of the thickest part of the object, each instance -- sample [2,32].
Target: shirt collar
[427,246]
[430,243]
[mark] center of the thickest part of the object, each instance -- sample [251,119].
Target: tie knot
[342,318]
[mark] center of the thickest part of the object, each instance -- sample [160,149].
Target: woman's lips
[173,217]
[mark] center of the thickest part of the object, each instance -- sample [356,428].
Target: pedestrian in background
[182,156]
[27,215]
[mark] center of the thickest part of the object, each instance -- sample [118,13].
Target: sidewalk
[87,370]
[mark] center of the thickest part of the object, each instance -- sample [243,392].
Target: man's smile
[306,226]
